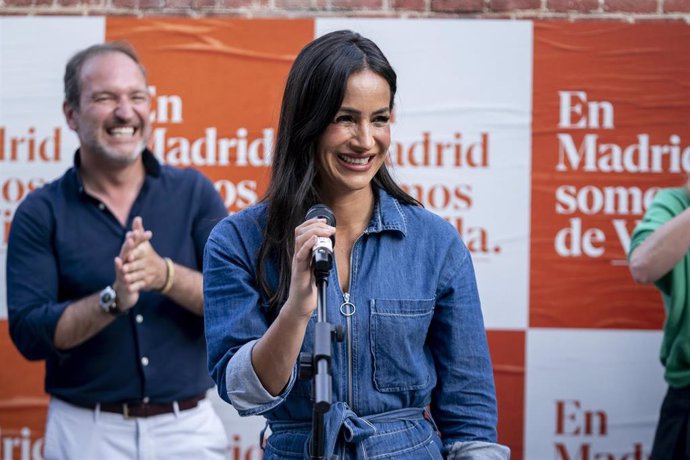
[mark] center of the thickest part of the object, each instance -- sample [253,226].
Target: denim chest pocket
[398,332]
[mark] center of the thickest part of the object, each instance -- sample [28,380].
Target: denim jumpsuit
[414,351]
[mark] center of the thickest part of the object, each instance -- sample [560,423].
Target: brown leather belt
[141,409]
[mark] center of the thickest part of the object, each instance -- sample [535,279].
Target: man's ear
[70,115]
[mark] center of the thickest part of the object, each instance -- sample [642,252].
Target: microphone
[322,252]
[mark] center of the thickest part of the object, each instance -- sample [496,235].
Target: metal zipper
[347,309]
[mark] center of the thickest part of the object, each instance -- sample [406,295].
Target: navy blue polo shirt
[62,246]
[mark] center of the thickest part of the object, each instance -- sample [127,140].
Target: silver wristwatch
[107,300]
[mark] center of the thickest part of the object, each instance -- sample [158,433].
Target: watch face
[107,299]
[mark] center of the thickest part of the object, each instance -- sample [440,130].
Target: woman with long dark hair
[412,378]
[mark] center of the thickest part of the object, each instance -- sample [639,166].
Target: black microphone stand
[316,365]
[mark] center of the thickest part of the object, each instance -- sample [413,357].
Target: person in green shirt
[660,254]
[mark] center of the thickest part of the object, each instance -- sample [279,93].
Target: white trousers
[75,433]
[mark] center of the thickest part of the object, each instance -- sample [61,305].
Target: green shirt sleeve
[667,204]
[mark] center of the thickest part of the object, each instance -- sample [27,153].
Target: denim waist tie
[341,419]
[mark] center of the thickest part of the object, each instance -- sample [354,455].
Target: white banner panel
[243,432]
[461,139]
[585,397]
[36,145]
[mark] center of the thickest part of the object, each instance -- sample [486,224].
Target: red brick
[414,5]
[236,3]
[660,19]
[682,6]
[81,2]
[293,4]
[204,3]
[18,2]
[511,5]
[572,5]
[631,6]
[48,12]
[150,4]
[43,2]
[125,3]
[177,3]
[508,16]
[220,12]
[457,6]
[356,4]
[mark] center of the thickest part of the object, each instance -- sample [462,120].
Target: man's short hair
[72,79]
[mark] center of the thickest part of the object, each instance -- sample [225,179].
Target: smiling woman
[353,147]
[415,359]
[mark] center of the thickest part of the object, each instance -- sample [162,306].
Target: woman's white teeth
[122,131]
[354,161]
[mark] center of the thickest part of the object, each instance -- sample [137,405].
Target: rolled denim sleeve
[234,319]
[478,450]
[245,391]
[464,400]
[32,281]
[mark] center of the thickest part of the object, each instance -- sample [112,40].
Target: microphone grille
[321,211]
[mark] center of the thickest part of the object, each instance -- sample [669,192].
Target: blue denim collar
[388,214]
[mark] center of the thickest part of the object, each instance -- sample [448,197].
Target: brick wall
[574,10]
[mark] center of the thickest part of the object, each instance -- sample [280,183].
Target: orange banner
[610,126]
[217,86]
